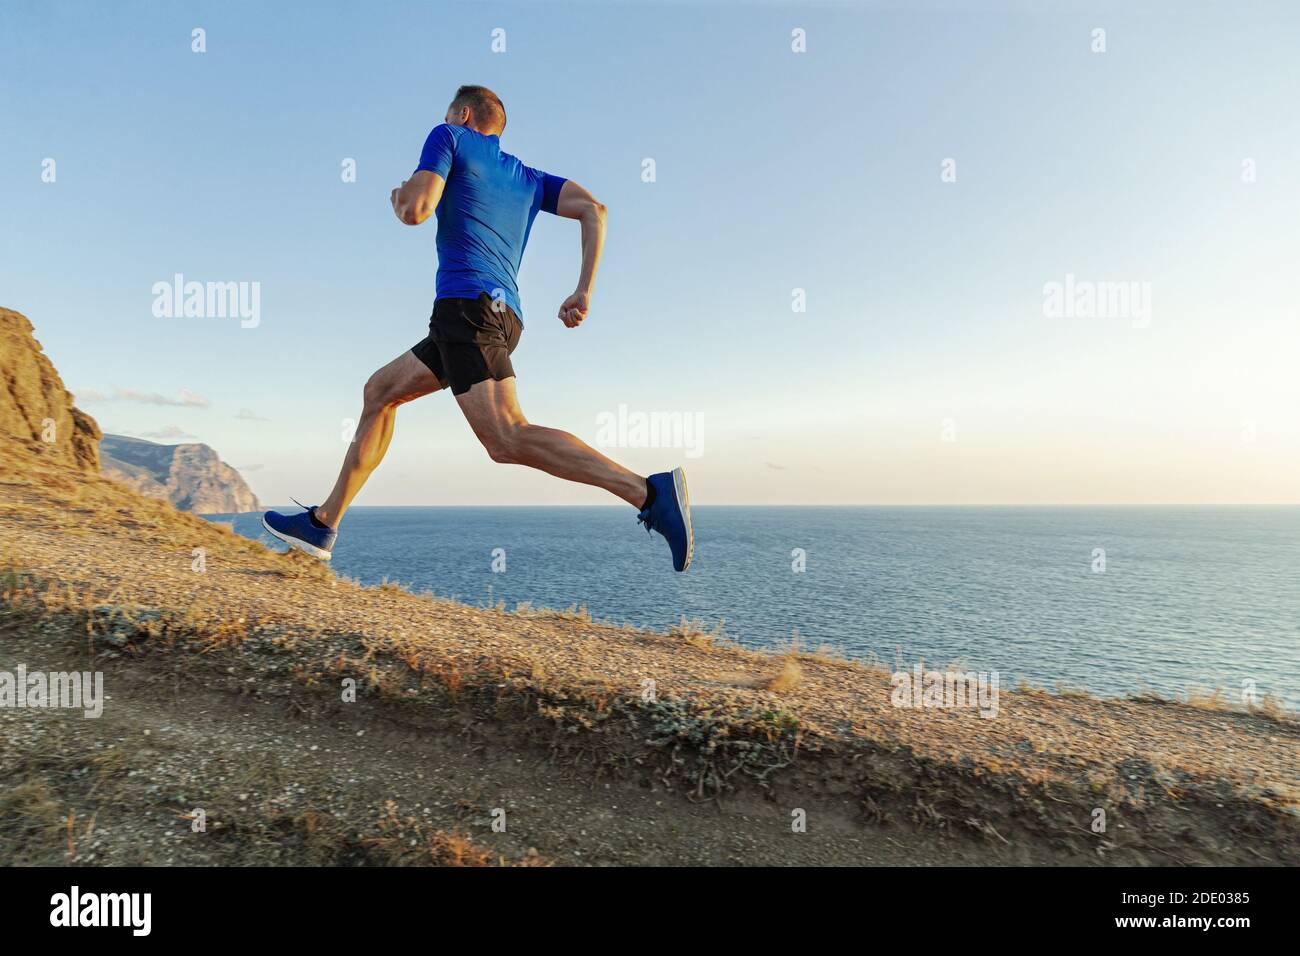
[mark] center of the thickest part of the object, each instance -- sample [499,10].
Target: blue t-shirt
[485,214]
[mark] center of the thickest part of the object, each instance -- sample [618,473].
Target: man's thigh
[491,407]
[403,379]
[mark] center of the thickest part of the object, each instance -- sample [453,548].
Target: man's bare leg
[402,380]
[492,410]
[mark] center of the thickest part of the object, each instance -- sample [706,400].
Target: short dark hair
[485,107]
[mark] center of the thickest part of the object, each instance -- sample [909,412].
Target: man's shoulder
[446,129]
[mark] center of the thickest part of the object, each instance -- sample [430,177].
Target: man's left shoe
[300,532]
[670,515]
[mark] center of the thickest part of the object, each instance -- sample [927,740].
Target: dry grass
[696,633]
[787,678]
[408,841]
[31,819]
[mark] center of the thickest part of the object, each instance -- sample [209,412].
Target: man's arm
[415,200]
[576,203]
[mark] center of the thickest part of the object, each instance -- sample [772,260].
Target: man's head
[478,108]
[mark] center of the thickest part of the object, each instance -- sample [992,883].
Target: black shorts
[470,341]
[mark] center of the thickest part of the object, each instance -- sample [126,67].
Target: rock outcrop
[35,408]
[36,411]
[191,476]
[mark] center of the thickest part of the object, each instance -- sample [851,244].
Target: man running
[485,201]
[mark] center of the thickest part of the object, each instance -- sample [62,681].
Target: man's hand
[574,309]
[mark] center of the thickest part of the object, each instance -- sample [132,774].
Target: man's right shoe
[299,532]
[670,515]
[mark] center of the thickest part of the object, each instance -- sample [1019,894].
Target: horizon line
[1089,504]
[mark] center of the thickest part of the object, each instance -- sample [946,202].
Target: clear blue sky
[775,170]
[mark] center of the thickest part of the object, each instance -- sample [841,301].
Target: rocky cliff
[36,412]
[35,408]
[191,476]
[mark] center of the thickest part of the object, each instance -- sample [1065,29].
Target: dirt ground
[170,743]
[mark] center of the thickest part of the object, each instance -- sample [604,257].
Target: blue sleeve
[438,151]
[551,186]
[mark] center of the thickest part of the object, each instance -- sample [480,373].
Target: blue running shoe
[298,532]
[670,515]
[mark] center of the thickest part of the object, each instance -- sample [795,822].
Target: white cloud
[168,433]
[183,399]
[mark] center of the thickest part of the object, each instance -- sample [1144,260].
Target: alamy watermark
[1085,299]
[634,429]
[179,299]
[921,689]
[130,910]
[54,690]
